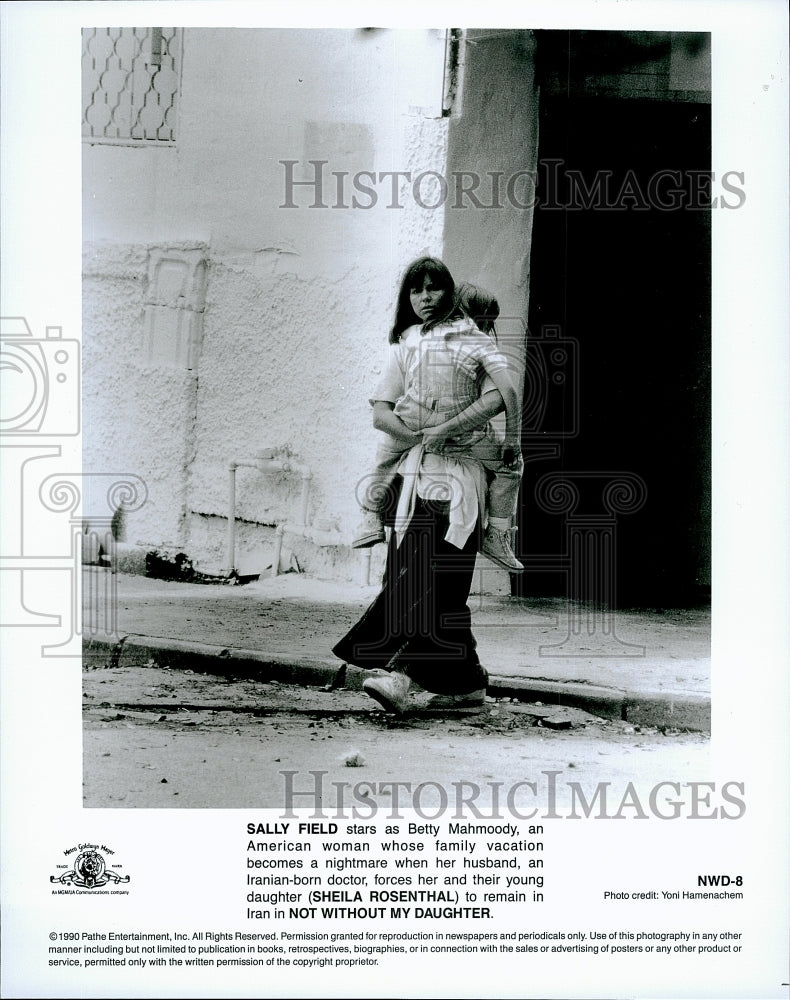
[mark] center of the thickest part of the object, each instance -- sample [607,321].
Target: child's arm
[503,380]
[504,396]
[385,420]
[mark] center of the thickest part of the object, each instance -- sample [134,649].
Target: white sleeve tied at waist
[442,478]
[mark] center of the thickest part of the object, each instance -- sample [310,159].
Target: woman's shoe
[474,701]
[390,691]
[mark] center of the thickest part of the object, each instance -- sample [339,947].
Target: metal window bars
[130,84]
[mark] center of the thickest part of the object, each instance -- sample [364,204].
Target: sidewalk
[645,667]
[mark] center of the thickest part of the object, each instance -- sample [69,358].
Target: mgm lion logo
[89,872]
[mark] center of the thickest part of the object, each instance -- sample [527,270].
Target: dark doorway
[620,282]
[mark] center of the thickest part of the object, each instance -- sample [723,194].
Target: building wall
[137,411]
[494,130]
[494,137]
[218,322]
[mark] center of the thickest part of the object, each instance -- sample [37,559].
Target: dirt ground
[164,738]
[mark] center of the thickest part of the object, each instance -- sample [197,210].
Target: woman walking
[418,629]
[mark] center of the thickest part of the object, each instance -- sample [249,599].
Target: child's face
[427,301]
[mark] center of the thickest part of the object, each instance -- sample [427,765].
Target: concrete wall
[216,321]
[494,131]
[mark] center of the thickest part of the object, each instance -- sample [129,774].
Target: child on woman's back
[504,465]
[442,358]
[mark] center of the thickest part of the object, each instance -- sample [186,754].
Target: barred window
[130,84]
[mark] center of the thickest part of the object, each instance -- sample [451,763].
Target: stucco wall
[136,414]
[288,341]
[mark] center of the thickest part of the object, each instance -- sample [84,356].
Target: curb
[671,710]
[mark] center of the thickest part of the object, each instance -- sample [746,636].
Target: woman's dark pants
[420,622]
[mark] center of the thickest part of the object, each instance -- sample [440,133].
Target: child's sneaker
[369,531]
[391,691]
[496,546]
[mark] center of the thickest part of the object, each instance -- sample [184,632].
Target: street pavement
[647,667]
[156,737]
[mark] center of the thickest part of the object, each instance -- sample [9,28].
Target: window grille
[130,83]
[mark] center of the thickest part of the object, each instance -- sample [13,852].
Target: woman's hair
[479,305]
[413,280]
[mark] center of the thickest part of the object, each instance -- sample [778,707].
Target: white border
[41,234]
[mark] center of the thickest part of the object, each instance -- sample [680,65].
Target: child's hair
[479,305]
[413,279]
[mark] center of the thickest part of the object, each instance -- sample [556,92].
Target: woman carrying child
[418,629]
[502,461]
